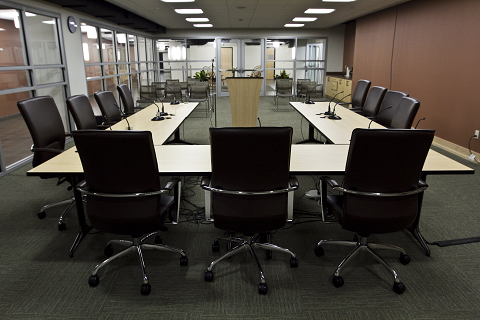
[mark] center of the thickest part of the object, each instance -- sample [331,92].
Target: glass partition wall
[32,64]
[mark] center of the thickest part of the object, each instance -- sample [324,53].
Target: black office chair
[359,94]
[81,110]
[108,106]
[372,102]
[123,192]
[389,107]
[249,184]
[405,114]
[127,99]
[48,134]
[378,196]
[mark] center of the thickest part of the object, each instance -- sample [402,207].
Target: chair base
[361,244]
[136,245]
[249,244]
[61,224]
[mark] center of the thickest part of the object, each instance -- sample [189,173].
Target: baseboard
[453,148]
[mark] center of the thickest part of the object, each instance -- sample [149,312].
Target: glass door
[239,58]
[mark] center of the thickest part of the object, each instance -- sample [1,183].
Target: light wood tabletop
[161,130]
[336,131]
[195,160]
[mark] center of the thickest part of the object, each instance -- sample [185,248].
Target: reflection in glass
[107,45]
[50,75]
[57,93]
[42,33]
[121,47]
[91,50]
[132,48]
[92,87]
[13,79]
[11,51]
[92,71]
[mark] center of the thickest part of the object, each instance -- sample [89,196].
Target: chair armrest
[355,108]
[344,103]
[205,182]
[57,151]
[102,126]
[332,183]
[171,184]
[422,184]
[293,182]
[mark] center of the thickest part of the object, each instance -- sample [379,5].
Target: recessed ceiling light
[197,19]
[178,0]
[189,11]
[203,25]
[305,19]
[294,25]
[317,11]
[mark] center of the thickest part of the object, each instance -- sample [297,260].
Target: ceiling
[270,14]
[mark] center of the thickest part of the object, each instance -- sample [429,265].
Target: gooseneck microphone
[332,116]
[328,112]
[378,114]
[123,115]
[159,115]
[175,101]
[419,122]
[309,101]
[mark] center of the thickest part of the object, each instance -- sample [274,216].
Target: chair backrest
[120,162]
[301,85]
[406,112]
[173,89]
[172,81]
[250,159]
[108,106]
[284,86]
[391,101]
[198,91]
[148,93]
[314,91]
[360,93]
[126,97]
[45,125]
[373,101]
[384,161]
[82,112]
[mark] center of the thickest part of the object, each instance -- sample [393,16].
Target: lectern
[244,95]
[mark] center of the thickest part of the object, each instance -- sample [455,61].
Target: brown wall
[349,44]
[431,50]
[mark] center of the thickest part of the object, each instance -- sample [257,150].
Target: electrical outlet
[476,134]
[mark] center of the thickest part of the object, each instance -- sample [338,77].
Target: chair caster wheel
[319,251]
[108,251]
[404,259]
[293,262]
[262,288]
[158,240]
[216,247]
[62,226]
[93,281]
[41,215]
[184,261]
[145,289]
[399,287]
[208,276]
[337,281]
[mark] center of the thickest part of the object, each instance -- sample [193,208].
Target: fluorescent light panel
[203,25]
[319,11]
[304,19]
[197,19]
[294,25]
[189,11]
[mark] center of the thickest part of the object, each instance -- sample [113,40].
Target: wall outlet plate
[472,157]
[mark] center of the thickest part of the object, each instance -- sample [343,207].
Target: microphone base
[309,102]
[175,102]
[328,113]
[158,118]
[334,117]
[163,114]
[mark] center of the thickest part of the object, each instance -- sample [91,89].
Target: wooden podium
[244,96]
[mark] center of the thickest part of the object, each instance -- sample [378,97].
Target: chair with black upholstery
[389,107]
[372,102]
[81,110]
[359,94]
[127,99]
[405,114]
[107,103]
[123,193]
[283,89]
[48,134]
[249,185]
[377,196]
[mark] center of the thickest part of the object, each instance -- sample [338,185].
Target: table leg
[176,139]
[414,228]
[311,135]
[84,227]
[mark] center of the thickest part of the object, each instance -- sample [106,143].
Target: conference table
[194,160]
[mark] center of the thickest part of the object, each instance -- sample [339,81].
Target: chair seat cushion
[150,213]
